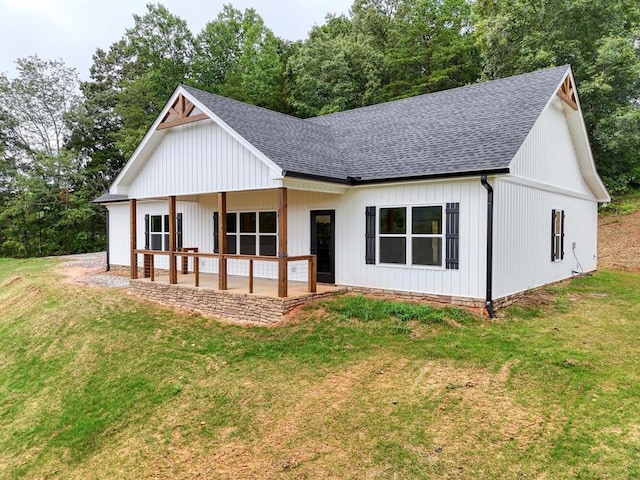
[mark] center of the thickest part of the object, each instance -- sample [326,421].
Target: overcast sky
[73,29]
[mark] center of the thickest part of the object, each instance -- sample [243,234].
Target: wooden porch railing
[193,252]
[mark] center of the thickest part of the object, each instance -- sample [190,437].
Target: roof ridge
[447,91]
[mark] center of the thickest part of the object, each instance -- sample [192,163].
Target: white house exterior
[391,197]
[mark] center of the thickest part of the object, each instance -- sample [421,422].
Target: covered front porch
[193,254]
[195,259]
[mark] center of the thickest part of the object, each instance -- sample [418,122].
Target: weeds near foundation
[524,312]
[368,309]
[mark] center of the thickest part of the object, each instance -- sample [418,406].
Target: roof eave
[107,198]
[435,176]
[320,178]
[355,181]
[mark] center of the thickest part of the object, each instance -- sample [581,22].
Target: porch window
[252,233]
[159,232]
[412,235]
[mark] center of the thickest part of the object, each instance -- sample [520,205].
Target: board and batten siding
[548,156]
[200,158]
[468,281]
[119,233]
[522,237]
[545,175]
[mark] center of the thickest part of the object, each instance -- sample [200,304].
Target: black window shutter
[452,254]
[370,235]
[562,237]
[179,230]
[216,244]
[146,232]
[553,235]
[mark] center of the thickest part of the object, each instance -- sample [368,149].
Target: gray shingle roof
[468,129]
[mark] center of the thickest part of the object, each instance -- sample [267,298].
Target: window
[426,230]
[252,233]
[557,235]
[411,235]
[393,235]
[159,232]
[156,233]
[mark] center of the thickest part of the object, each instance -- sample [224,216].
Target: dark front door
[323,243]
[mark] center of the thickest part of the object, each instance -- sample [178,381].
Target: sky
[72,30]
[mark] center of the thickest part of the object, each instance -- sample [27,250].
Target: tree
[34,104]
[601,41]
[239,57]
[42,209]
[7,158]
[432,48]
[95,126]
[335,70]
[386,49]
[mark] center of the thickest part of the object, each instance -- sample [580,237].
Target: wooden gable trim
[180,113]
[567,93]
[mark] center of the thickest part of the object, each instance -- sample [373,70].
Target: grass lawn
[96,384]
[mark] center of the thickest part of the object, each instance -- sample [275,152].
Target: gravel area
[104,280]
[85,260]
[90,270]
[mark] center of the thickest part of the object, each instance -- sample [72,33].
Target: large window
[252,233]
[411,235]
[159,232]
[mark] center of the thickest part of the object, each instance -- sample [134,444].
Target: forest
[62,141]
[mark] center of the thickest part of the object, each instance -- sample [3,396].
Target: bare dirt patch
[11,281]
[619,242]
[77,274]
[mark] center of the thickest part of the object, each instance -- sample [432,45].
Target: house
[470,195]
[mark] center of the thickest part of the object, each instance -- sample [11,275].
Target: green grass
[96,384]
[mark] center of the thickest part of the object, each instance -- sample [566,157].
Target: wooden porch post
[173,272]
[222,240]
[283,269]
[133,236]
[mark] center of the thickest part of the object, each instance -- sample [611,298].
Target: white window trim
[257,233]
[408,236]
[557,237]
[165,248]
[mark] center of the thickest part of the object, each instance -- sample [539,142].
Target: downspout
[108,267]
[489,295]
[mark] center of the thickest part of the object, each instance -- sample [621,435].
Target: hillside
[95,384]
[619,237]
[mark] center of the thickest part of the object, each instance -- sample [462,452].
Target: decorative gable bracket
[567,93]
[181,112]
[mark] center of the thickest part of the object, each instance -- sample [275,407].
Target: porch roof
[111,198]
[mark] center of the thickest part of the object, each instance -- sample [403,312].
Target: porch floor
[238,284]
